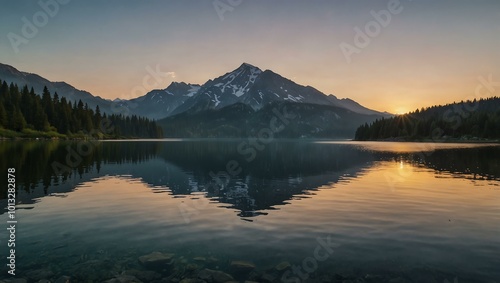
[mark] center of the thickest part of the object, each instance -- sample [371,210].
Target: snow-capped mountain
[241,102]
[236,104]
[270,87]
[223,91]
[252,86]
[247,85]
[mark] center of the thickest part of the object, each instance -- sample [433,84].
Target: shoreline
[444,141]
[434,141]
[9,135]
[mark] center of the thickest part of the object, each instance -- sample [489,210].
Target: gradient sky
[432,52]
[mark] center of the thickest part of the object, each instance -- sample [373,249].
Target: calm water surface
[404,212]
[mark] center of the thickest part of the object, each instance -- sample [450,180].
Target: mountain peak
[246,84]
[175,84]
[182,88]
[237,82]
[247,66]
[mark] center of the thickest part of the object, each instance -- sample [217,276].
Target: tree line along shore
[24,114]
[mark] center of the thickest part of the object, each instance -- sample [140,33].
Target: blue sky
[430,52]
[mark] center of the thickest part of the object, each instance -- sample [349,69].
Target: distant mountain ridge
[12,75]
[240,120]
[247,84]
[160,103]
[251,86]
[247,88]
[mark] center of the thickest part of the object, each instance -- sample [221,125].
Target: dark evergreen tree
[18,123]
[470,119]
[3,116]
[21,109]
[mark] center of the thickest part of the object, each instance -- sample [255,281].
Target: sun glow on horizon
[401,110]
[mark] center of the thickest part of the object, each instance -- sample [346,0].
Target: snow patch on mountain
[255,72]
[216,100]
[193,90]
[233,81]
[293,98]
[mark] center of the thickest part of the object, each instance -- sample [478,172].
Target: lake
[285,211]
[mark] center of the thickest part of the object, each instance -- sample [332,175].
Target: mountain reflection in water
[281,171]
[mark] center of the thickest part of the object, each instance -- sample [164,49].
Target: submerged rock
[192,280]
[284,265]
[424,275]
[63,279]
[398,280]
[143,275]
[39,274]
[205,274]
[221,277]
[200,259]
[267,277]
[371,278]
[92,270]
[124,279]
[182,260]
[214,276]
[212,260]
[254,275]
[191,267]
[240,266]
[156,260]
[15,280]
